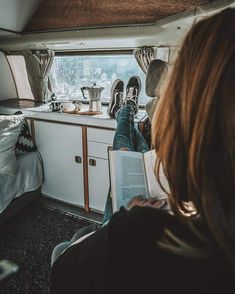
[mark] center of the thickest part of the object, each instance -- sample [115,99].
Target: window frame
[99,53]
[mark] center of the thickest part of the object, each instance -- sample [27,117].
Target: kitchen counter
[42,111]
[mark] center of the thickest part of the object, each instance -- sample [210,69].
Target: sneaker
[132,92]
[116,99]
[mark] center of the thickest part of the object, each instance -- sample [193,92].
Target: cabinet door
[98,178]
[59,145]
[98,174]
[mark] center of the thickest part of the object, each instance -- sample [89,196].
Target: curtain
[144,56]
[38,64]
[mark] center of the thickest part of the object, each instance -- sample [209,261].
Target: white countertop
[44,113]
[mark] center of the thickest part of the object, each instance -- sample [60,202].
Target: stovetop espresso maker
[94,94]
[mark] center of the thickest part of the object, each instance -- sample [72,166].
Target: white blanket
[29,176]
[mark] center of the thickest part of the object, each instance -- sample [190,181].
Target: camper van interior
[59,60]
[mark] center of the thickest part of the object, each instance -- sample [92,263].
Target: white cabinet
[84,184]
[98,171]
[61,146]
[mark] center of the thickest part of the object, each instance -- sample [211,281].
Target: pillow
[24,143]
[10,127]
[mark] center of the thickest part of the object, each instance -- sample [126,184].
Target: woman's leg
[108,210]
[127,137]
[123,140]
[140,143]
[124,133]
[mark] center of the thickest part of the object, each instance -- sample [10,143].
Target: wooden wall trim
[85,168]
[70,123]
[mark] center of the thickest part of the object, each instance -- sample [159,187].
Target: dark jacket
[124,257]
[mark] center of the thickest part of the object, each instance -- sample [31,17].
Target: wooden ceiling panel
[70,14]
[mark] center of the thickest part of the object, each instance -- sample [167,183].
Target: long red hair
[193,129]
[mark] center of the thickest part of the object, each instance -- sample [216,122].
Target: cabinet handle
[78,159]
[92,162]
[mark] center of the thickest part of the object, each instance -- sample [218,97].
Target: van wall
[7,84]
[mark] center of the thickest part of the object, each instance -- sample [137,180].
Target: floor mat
[28,240]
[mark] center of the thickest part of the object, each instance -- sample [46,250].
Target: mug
[55,106]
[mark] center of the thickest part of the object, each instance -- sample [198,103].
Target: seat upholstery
[155,71]
[154,74]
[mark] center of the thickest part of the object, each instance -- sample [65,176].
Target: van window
[71,72]
[18,67]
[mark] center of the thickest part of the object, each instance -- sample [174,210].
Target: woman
[145,250]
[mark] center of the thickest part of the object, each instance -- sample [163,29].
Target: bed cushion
[24,143]
[28,177]
[10,127]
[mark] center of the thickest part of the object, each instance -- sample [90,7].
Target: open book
[132,174]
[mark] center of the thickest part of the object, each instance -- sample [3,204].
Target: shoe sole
[113,105]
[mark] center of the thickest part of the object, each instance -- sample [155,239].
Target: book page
[127,177]
[154,188]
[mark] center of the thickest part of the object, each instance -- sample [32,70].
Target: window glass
[70,73]
[18,67]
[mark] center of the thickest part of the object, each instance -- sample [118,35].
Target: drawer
[102,136]
[99,150]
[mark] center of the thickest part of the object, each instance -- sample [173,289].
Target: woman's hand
[141,201]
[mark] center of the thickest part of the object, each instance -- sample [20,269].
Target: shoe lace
[132,94]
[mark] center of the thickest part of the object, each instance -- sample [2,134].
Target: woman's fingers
[143,202]
[159,203]
[136,201]
[154,202]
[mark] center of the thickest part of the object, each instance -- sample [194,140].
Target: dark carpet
[28,240]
